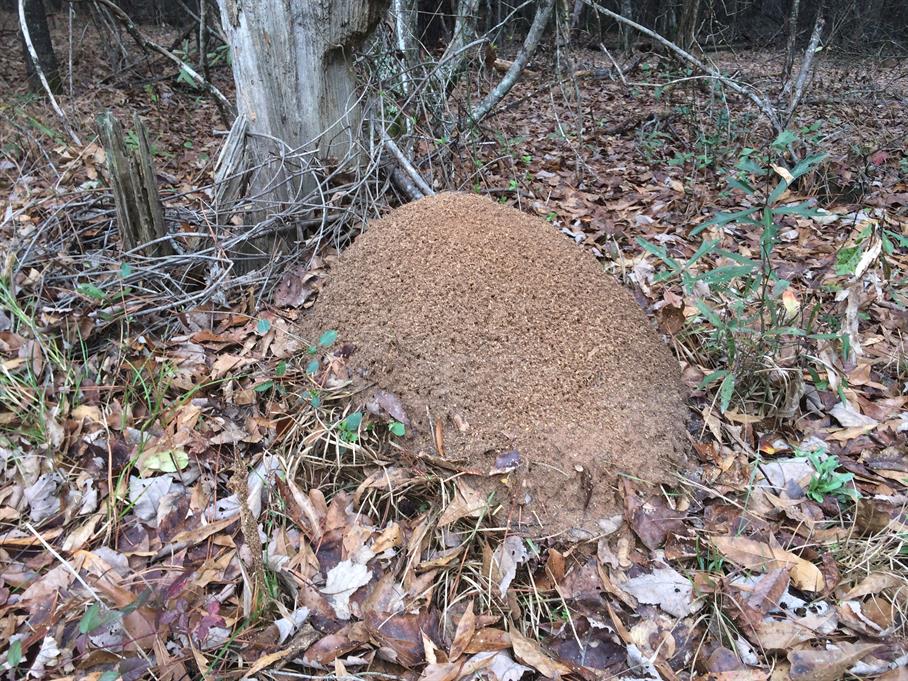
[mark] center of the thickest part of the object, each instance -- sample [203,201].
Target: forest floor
[184,496]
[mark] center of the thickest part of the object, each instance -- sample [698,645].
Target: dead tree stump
[140,214]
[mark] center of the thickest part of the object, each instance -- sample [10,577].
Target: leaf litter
[121,546]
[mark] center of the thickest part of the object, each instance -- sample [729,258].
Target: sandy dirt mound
[498,325]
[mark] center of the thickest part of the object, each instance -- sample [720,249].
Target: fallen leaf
[466,628]
[827,665]
[665,587]
[341,583]
[530,652]
[507,557]
[755,555]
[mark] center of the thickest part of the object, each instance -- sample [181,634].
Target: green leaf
[712,378]
[740,185]
[784,138]
[109,675]
[143,598]
[726,390]
[95,617]
[709,314]
[263,327]
[749,166]
[264,387]
[281,369]
[397,428]
[778,191]
[802,209]
[806,165]
[723,275]
[658,251]
[169,461]
[353,421]
[91,291]
[14,656]
[847,259]
[724,218]
[327,339]
[313,366]
[125,270]
[315,400]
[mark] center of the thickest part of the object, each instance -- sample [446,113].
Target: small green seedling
[827,480]
[397,428]
[348,428]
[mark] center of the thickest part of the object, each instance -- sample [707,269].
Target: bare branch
[807,65]
[748,91]
[543,12]
[227,110]
[418,180]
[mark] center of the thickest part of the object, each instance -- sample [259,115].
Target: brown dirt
[475,313]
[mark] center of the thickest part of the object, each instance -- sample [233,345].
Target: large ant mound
[493,324]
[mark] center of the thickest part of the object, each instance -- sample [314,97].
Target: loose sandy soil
[498,326]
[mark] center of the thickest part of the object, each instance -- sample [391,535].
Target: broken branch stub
[140,214]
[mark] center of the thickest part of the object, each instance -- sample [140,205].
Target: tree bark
[39,32]
[687,24]
[627,10]
[456,52]
[292,66]
[140,214]
[295,89]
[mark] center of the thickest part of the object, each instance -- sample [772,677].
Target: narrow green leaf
[712,378]
[723,219]
[847,259]
[708,313]
[264,387]
[658,251]
[95,617]
[806,165]
[784,138]
[14,656]
[726,390]
[91,291]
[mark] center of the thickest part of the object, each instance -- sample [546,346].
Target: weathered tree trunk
[456,52]
[295,88]
[292,66]
[627,10]
[39,34]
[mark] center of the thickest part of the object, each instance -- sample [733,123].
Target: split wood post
[140,214]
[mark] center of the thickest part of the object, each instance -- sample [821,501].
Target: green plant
[749,324]
[828,480]
[348,427]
